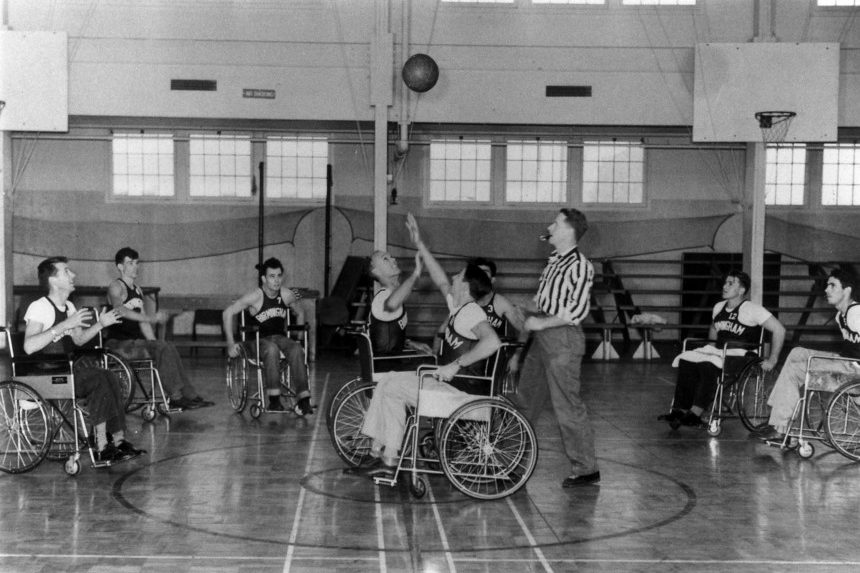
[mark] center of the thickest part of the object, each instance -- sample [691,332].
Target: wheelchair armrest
[355,328]
[250,328]
[298,327]
[824,358]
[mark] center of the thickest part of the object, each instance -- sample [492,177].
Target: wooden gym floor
[221,492]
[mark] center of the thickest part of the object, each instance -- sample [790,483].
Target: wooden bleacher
[625,287]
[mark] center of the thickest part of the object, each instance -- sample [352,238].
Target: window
[659,2]
[785,176]
[142,165]
[536,172]
[459,170]
[612,172]
[840,174]
[479,1]
[296,167]
[839,2]
[220,165]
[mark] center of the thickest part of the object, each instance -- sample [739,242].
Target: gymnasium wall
[495,62]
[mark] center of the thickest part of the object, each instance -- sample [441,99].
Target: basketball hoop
[774,125]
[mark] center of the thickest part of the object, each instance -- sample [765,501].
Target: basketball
[420,73]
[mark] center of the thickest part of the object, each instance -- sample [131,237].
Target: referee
[552,365]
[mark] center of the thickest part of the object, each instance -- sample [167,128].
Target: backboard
[34,81]
[734,81]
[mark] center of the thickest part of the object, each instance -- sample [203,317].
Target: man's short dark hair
[270,263]
[48,268]
[744,278]
[576,219]
[479,282]
[124,252]
[484,262]
[847,277]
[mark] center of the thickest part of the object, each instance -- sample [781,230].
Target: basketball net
[774,125]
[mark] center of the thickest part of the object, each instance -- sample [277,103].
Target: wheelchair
[368,364]
[39,414]
[740,392]
[828,411]
[238,373]
[485,447]
[138,375]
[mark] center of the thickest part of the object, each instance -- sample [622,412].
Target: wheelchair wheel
[63,443]
[843,420]
[351,445]
[115,363]
[237,381]
[25,428]
[336,398]
[488,449]
[754,387]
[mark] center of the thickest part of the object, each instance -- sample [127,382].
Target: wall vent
[194,85]
[568,91]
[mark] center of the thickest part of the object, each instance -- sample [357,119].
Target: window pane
[460,170]
[537,167]
[142,164]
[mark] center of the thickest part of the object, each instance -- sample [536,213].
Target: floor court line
[294,533]
[443,537]
[532,541]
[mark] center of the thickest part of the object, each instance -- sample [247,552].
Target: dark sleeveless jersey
[456,344]
[850,338]
[128,329]
[387,336]
[729,327]
[497,321]
[272,316]
[64,345]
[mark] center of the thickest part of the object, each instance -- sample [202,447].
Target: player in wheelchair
[269,306]
[734,341]
[808,371]
[54,326]
[468,340]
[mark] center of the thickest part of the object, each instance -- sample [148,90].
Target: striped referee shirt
[565,286]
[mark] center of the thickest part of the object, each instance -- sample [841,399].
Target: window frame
[492,178]
[643,204]
[113,197]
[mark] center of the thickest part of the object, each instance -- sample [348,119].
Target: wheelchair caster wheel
[162,409]
[255,411]
[715,428]
[805,450]
[72,467]
[418,487]
[148,413]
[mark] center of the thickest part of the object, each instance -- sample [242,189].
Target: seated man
[54,326]
[786,391]
[467,341]
[388,317]
[735,319]
[501,313]
[134,338]
[268,306]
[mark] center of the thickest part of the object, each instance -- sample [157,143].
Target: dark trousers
[551,372]
[100,388]
[697,381]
